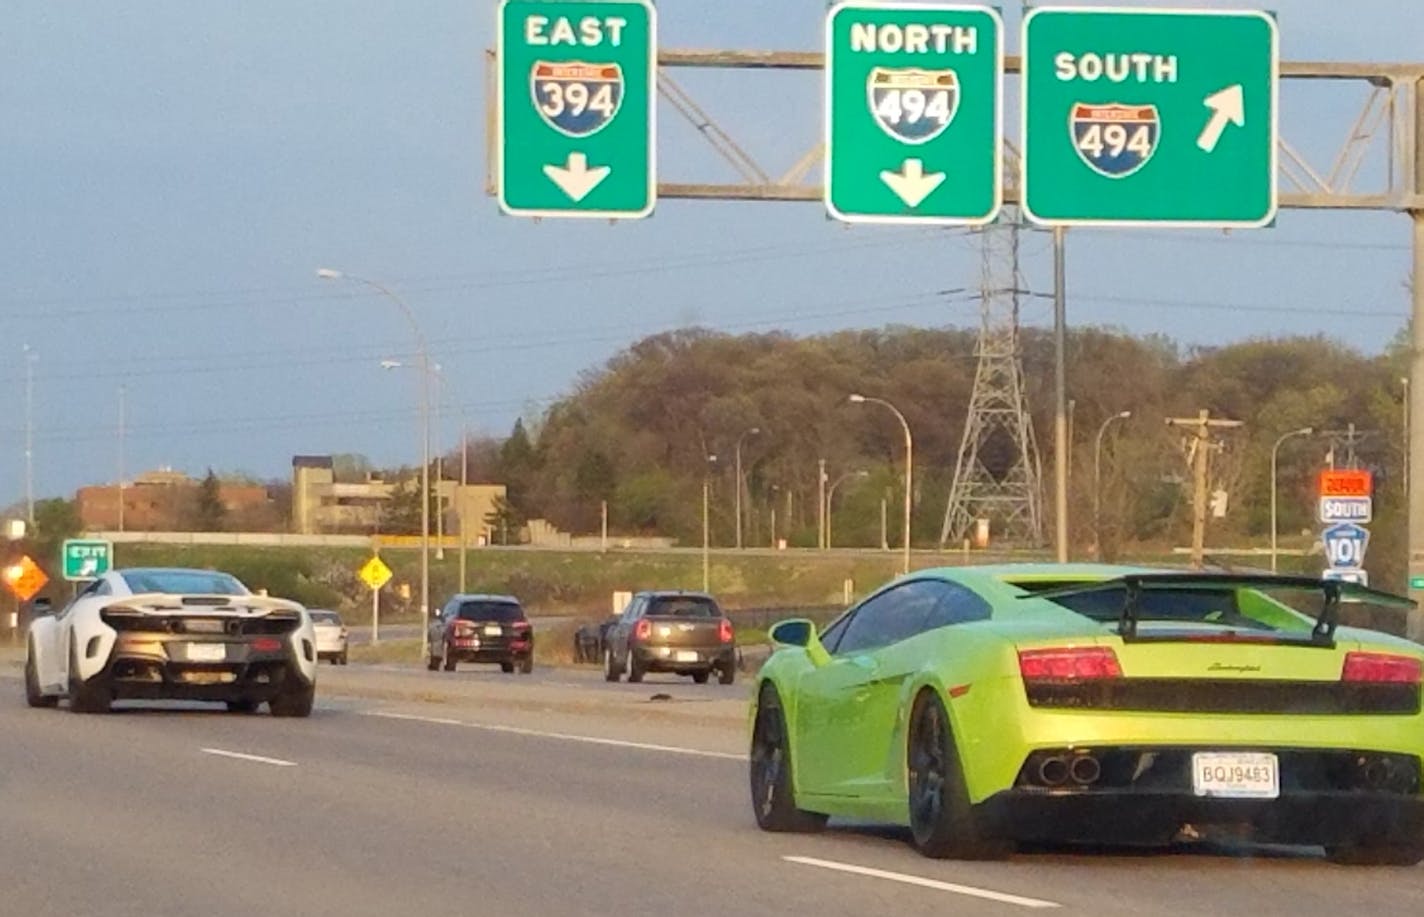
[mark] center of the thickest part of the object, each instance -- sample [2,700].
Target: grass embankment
[549,582]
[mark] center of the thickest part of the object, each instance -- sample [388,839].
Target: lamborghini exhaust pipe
[1053,771]
[1085,770]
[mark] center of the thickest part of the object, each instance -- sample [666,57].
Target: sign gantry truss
[1372,168]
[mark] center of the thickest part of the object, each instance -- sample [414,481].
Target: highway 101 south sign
[1155,117]
[914,113]
[575,108]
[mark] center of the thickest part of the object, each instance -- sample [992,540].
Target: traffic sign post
[575,108]
[914,113]
[1156,117]
[375,574]
[1346,498]
[1345,545]
[24,578]
[86,558]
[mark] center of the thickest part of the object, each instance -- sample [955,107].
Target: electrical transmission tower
[998,473]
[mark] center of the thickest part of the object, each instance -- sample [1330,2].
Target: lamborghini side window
[957,605]
[890,617]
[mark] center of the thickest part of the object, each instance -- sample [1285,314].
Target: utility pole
[1348,439]
[1201,428]
[1061,445]
[464,495]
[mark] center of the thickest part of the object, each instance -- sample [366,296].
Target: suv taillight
[1090,662]
[1381,668]
[724,631]
[643,630]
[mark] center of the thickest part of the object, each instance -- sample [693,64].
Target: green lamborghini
[983,706]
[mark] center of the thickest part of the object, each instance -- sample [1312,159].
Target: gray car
[667,631]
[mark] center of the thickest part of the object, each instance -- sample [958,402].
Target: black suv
[482,628]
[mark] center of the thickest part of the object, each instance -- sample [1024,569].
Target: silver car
[330,635]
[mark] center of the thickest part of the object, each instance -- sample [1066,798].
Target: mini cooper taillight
[1069,664]
[1381,668]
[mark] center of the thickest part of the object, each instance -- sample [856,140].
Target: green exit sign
[574,100]
[914,113]
[1154,117]
[86,558]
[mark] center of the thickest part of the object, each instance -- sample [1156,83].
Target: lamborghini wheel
[773,801]
[942,821]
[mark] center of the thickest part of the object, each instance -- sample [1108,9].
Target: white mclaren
[172,634]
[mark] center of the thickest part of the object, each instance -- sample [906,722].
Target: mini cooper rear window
[503,612]
[682,606]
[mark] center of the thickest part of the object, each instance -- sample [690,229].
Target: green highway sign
[1155,117]
[574,101]
[86,558]
[914,113]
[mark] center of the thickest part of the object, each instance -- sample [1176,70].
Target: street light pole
[464,494]
[123,410]
[909,462]
[751,432]
[831,495]
[1303,431]
[706,527]
[327,273]
[30,357]
[1098,482]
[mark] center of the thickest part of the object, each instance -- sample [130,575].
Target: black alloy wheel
[942,821]
[773,802]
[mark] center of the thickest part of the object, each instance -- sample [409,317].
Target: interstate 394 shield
[576,98]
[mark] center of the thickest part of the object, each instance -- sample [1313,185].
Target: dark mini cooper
[681,632]
[482,628]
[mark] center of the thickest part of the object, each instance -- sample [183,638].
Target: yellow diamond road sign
[375,573]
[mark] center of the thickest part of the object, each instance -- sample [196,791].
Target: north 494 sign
[913,113]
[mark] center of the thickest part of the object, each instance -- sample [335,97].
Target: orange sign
[25,578]
[1350,482]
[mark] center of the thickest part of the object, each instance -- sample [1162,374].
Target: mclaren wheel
[33,695]
[92,696]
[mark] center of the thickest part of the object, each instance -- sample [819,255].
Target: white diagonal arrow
[575,178]
[911,183]
[1228,105]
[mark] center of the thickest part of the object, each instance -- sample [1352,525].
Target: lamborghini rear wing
[1134,585]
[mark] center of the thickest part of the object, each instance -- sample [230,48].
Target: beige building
[321,504]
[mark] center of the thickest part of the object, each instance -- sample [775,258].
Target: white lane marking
[561,736]
[971,891]
[278,762]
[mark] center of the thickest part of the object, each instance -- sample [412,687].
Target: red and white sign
[1346,482]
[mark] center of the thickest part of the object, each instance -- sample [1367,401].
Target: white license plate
[207,652]
[686,656]
[1241,775]
[494,630]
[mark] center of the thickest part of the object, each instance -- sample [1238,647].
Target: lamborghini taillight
[1069,664]
[1381,668]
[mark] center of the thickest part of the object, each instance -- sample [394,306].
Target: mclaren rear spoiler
[1134,585]
[166,603]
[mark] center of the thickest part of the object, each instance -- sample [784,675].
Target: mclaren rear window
[503,612]
[183,582]
[683,606]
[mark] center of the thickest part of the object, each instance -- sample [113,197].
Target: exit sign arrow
[1227,107]
[911,183]
[575,178]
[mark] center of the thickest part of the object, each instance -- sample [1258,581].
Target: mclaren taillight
[724,631]
[266,644]
[1381,668]
[643,630]
[1091,662]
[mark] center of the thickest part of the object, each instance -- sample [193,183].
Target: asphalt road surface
[406,794]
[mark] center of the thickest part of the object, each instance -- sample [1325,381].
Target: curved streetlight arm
[909,463]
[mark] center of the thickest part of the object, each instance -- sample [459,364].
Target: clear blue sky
[172,173]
